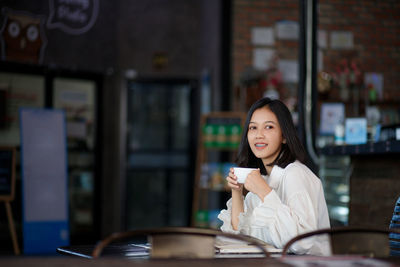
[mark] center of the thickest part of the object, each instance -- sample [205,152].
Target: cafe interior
[123,118]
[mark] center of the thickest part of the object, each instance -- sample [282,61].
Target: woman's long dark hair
[291,151]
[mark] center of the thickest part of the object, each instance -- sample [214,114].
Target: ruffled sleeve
[244,219]
[226,218]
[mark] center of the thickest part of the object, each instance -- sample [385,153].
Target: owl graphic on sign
[22,37]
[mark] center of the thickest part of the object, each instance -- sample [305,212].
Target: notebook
[226,245]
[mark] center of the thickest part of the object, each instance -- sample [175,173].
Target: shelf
[219,138]
[372,148]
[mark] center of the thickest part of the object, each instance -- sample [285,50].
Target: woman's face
[265,135]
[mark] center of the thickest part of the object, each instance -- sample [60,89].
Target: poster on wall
[262,58]
[18,90]
[77,98]
[44,180]
[341,40]
[287,30]
[289,70]
[262,36]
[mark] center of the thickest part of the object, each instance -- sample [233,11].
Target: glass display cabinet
[160,152]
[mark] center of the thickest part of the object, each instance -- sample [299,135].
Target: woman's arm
[237,207]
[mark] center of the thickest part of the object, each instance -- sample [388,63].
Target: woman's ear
[284,141]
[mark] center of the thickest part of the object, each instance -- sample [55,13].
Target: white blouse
[295,205]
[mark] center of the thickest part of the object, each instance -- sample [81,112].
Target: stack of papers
[226,245]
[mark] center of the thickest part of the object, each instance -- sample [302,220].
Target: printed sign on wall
[73,17]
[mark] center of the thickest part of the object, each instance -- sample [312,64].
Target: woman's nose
[259,134]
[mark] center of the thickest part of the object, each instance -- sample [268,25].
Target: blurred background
[135,79]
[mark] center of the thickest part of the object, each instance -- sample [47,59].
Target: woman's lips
[260,146]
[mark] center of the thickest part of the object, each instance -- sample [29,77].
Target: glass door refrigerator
[161,142]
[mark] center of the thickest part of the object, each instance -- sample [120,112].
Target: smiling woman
[285,198]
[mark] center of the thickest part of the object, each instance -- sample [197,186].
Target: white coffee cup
[241,173]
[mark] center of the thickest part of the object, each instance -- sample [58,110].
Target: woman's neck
[269,169]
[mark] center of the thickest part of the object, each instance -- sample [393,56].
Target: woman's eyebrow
[263,122]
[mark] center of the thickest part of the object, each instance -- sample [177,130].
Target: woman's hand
[237,198]
[232,181]
[257,185]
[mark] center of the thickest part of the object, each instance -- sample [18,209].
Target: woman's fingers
[232,181]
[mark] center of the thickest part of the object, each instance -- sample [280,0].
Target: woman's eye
[252,128]
[268,127]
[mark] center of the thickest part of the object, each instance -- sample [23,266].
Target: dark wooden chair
[177,242]
[368,242]
[394,238]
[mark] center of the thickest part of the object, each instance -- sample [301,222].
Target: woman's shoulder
[295,166]
[298,170]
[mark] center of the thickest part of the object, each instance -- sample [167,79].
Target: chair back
[395,237]
[368,242]
[178,242]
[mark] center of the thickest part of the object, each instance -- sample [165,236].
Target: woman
[285,198]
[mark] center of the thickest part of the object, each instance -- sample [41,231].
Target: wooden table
[64,261]
[115,256]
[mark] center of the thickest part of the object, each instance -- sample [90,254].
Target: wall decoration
[22,37]
[262,36]
[262,58]
[77,98]
[290,70]
[341,40]
[287,30]
[332,114]
[73,17]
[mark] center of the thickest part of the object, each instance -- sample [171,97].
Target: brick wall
[258,13]
[375,26]
[376,29]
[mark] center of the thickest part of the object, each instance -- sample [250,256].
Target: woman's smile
[260,146]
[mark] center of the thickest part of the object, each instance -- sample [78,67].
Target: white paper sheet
[228,245]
